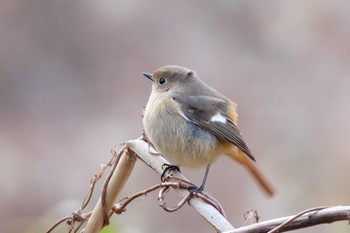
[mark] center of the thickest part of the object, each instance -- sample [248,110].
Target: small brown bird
[191,124]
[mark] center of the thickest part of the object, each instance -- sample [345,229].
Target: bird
[191,123]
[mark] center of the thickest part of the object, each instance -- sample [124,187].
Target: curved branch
[315,217]
[205,205]
[116,182]
[208,212]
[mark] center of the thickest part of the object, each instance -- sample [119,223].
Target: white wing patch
[218,118]
[184,116]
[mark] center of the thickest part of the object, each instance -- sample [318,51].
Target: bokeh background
[71,88]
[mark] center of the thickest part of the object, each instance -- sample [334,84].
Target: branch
[308,218]
[122,164]
[112,187]
[156,162]
[120,173]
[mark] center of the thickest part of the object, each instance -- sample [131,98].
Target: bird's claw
[168,168]
[195,189]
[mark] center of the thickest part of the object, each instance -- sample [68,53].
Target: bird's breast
[179,140]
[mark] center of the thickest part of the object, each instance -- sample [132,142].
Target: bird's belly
[183,143]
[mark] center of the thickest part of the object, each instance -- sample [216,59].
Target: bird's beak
[148,75]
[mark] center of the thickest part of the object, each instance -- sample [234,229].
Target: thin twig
[205,204]
[213,202]
[163,204]
[121,205]
[105,185]
[321,216]
[111,191]
[214,217]
[98,176]
[57,223]
[284,224]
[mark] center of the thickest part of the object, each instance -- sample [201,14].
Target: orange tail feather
[242,158]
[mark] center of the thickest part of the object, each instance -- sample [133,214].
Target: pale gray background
[71,88]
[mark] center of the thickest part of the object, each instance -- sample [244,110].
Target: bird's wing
[211,114]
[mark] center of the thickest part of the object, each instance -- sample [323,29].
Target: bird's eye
[161,81]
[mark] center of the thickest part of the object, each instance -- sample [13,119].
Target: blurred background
[71,88]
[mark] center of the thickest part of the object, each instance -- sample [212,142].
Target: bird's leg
[194,189]
[168,168]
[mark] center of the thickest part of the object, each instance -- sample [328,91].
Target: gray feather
[200,110]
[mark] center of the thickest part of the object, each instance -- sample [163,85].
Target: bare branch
[217,220]
[122,164]
[315,217]
[98,176]
[121,205]
[115,185]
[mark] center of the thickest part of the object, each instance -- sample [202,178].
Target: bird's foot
[195,189]
[168,168]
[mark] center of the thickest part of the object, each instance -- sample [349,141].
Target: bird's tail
[242,158]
